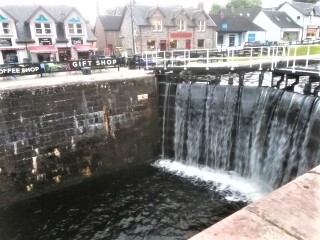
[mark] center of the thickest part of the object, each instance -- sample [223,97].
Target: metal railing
[234,57]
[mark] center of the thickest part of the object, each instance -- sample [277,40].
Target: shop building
[147,28]
[234,30]
[107,32]
[306,15]
[44,33]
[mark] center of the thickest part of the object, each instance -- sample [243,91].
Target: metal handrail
[232,57]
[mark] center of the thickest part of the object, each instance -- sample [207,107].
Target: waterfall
[260,133]
[164,117]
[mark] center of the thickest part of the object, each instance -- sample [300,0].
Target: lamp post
[132,31]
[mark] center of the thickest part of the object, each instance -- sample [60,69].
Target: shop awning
[84,48]
[11,48]
[42,49]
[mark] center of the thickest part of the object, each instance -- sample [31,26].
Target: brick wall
[55,136]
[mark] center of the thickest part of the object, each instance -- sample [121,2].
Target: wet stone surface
[141,202]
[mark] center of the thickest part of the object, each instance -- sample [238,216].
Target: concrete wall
[55,136]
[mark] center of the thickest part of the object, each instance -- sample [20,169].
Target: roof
[110,22]
[281,19]
[23,13]
[234,24]
[302,7]
[249,13]
[142,13]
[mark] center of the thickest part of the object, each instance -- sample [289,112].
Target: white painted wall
[260,35]
[293,13]
[304,22]
[273,32]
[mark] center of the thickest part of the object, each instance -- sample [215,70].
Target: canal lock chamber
[229,128]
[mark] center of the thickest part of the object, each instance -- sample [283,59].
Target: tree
[215,9]
[243,4]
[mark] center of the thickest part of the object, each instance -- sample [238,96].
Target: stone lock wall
[54,136]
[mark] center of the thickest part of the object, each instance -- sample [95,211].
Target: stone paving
[290,212]
[27,81]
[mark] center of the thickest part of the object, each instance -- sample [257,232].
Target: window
[220,38]
[298,18]
[200,43]
[43,28]
[75,28]
[151,45]
[156,25]
[290,36]
[311,32]
[201,26]
[6,29]
[182,25]
[173,44]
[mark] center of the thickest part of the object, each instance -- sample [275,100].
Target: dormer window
[5,28]
[43,28]
[75,28]
[182,25]
[201,26]
[42,25]
[156,25]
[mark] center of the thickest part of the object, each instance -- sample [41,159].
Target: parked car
[145,61]
[255,47]
[254,44]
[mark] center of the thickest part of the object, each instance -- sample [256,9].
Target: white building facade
[36,34]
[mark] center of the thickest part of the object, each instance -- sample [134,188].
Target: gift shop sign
[94,63]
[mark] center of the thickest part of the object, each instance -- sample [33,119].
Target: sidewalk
[27,81]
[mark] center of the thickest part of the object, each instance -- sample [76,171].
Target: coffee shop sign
[19,70]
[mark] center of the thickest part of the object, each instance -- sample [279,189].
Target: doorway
[232,39]
[163,45]
[188,44]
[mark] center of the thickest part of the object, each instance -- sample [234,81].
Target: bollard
[307,89]
[241,79]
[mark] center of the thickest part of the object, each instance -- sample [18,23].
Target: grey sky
[88,8]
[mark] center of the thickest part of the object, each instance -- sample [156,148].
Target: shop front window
[46,57]
[173,44]
[311,32]
[43,28]
[64,54]
[290,36]
[83,55]
[151,45]
[10,56]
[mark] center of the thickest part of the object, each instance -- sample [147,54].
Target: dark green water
[142,202]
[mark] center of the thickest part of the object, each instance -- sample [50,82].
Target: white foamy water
[231,185]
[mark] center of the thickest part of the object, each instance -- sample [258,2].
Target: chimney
[201,5]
